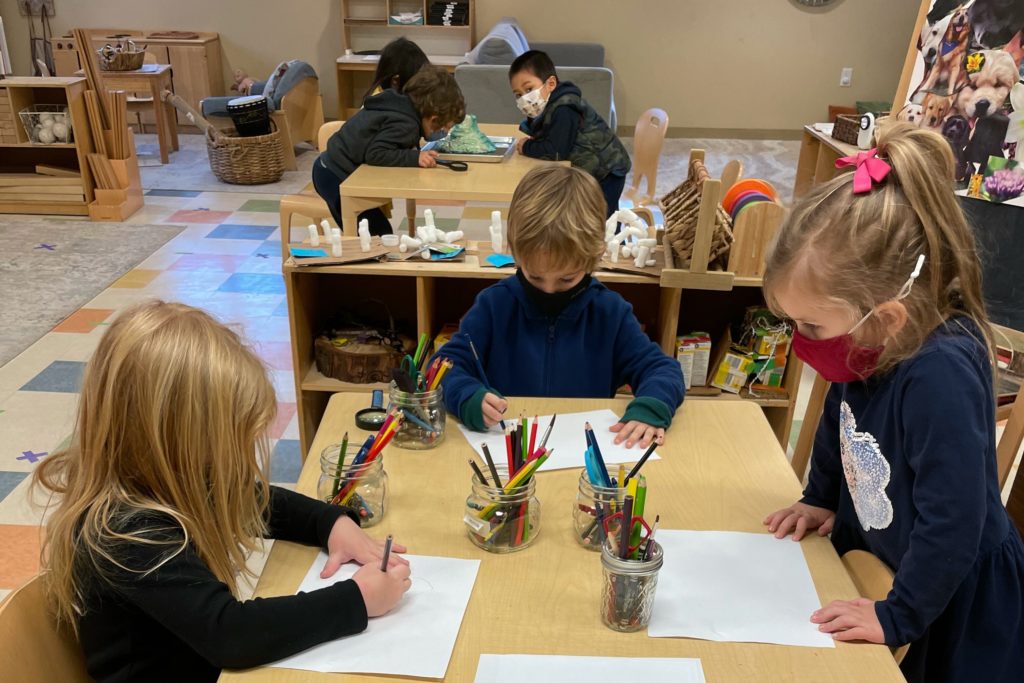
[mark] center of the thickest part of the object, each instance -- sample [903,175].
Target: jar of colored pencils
[424,417]
[362,486]
[593,504]
[502,519]
[627,592]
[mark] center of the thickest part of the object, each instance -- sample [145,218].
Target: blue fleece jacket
[591,349]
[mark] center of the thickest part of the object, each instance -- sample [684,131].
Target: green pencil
[341,462]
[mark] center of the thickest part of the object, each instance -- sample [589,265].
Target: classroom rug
[50,268]
[189,168]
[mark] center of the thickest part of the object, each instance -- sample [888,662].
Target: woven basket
[122,61]
[256,160]
[846,128]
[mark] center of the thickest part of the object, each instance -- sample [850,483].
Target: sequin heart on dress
[867,472]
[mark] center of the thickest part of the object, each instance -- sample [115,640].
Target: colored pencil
[490,465]
[478,473]
[636,467]
[480,368]
[533,437]
[509,456]
[624,528]
[621,480]
[419,350]
[387,553]
[341,461]
[649,550]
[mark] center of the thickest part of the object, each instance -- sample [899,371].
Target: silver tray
[505,146]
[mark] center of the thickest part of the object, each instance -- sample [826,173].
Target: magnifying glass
[373,417]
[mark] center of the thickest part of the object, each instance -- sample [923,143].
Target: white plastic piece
[648,242]
[453,236]
[335,232]
[497,238]
[626,251]
[428,216]
[314,236]
[364,235]
[403,248]
[389,240]
[613,251]
[651,262]
[425,254]
[641,257]
[410,242]
[336,243]
[326,227]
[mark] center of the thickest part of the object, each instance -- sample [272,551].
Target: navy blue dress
[908,462]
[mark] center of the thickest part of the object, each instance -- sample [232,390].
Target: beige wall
[712,64]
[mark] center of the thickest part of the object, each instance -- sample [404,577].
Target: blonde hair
[558,213]
[171,423]
[857,250]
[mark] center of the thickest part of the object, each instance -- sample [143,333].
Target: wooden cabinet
[196,66]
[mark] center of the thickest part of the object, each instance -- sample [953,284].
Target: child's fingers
[617,427]
[831,611]
[400,572]
[840,623]
[801,527]
[659,436]
[773,519]
[855,633]
[826,528]
[398,548]
[432,153]
[787,525]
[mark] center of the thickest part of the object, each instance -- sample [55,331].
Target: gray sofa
[487,92]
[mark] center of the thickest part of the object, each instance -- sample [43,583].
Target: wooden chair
[140,102]
[33,648]
[648,138]
[873,580]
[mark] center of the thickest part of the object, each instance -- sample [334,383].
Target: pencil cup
[362,486]
[502,521]
[627,594]
[593,504]
[424,422]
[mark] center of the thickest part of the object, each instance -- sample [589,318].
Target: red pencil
[533,438]
[433,370]
[508,451]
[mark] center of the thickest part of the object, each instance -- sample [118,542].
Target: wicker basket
[121,61]
[256,160]
[846,128]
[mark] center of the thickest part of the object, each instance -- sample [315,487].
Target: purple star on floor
[30,456]
[47,247]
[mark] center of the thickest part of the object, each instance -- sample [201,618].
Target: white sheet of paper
[422,628]
[567,440]
[558,669]
[735,587]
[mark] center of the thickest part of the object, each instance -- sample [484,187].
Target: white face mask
[532,103]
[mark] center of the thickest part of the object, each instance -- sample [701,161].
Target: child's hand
[635,432]
[348,542]
[382,590]
[520,142]
[850,620]
[428,159]
[800,518]
[494,408]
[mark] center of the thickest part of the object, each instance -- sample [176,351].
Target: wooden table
[817,163]
[347,66]
[154,79]
[485,182]
[722,469]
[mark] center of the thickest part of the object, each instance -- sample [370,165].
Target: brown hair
[858,249]
[171,423]
[434,92]
[558,211]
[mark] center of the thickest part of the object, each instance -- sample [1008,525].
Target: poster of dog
[968,80]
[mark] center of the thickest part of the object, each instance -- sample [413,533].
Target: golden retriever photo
[935,109]
[912,113]
[947,71]
[990,75]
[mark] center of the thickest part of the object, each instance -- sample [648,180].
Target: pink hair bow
[869,169]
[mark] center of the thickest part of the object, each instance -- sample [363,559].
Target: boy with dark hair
[387,132]
[562,125]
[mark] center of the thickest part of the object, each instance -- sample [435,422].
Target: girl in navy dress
[879,272]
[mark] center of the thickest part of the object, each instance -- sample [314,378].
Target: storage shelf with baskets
[40,172]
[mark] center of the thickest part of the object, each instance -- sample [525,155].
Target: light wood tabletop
[484,182]
[721,469]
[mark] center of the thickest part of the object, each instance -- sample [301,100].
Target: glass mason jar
[424,422]
[593,504]
[501,521]
[627,592]
[363,486]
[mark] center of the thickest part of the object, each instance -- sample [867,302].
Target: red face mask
[839,359]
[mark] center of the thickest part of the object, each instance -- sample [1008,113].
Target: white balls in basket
[47,124]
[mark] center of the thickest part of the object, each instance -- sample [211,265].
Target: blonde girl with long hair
[161,495]
[879,271]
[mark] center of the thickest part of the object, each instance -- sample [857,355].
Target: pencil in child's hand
[636,467]
[387,553]
[480,368]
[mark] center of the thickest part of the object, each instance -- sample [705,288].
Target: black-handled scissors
[459,166]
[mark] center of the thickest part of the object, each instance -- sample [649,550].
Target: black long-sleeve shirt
[180,623]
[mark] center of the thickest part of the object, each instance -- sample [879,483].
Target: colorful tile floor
[226,261]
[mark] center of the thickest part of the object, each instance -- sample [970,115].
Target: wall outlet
[846,77]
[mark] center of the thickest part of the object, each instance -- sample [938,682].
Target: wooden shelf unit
[424,296]
[196,67]
[374,15]
[19,156]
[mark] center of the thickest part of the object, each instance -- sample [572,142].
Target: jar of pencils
[627,592]
[593,503]
[503,519]
[361,485]
[424,414]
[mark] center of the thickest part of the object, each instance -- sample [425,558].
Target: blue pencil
[480,368]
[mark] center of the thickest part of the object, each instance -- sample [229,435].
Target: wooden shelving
[366,25]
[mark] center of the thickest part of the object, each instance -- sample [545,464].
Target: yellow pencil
[522,475]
